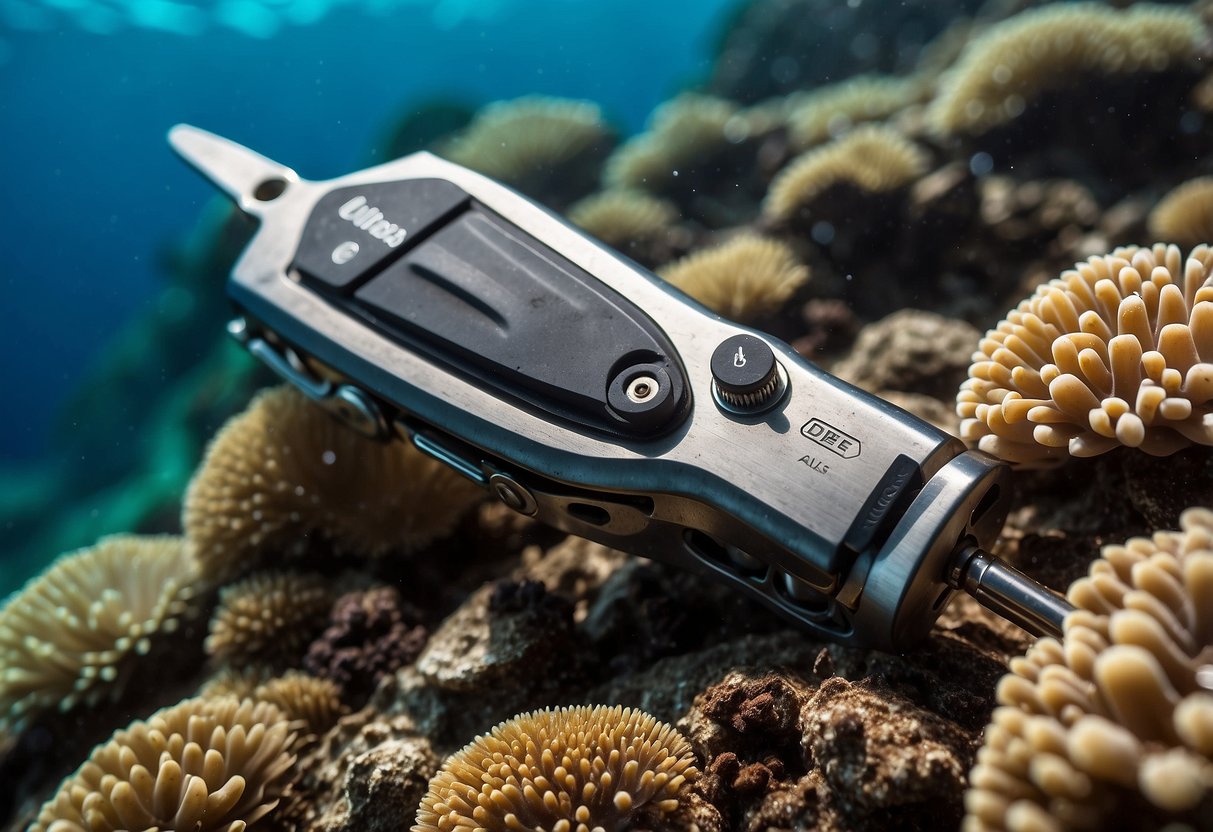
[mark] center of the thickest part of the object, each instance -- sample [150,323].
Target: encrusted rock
[368,775]
[884,757]
[370,634]
[912,351]
[516,641]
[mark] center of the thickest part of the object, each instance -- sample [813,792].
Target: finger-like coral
[871,158]
[315,702]
[1112,727]
[284,471]
[269,617]
[622,218]
[565,770]
[741,279]
[515,140]
[201,765]
[1002,71]
[830,111]
[1185,215]
[684,132]
[1116,351]
[71,636]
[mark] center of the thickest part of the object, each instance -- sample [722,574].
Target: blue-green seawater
[94,201]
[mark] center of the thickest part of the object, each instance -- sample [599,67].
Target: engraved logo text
[831,438]
[371,220]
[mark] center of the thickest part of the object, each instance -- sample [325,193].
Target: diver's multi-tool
[420,301]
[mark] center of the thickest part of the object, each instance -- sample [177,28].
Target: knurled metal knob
[746,378]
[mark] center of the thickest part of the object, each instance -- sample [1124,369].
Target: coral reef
[1001,71]
[632,221]
[268,618]
[828,112]
[72,636]
[205,764]
[686,131]
[927,188]
[775,47]
[1113,725]
[566,769]
[698,151]
[1116,351]
[237,682]
[545,147]
[742,279]
[285,472]
[871,159]
[1185,215]
[314,702]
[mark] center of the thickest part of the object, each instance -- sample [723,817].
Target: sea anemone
[314,702]
[285,471]
[742,279]
[564,770]
[268,617]
[517,140]
[72,635]
[1185,215]
[1113,725]
[872,158]
[201,765]
[1116,351]
[684,132]
[1001,71]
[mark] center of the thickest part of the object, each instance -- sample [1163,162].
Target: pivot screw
[643,389]
[512,494]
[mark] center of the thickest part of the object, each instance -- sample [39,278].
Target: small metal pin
[1003,589]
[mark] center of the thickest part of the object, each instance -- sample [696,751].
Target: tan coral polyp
[267,617]
[284,471]
[71,635]
[1116,351]
[620,216]
[512,139]
[1003,70]
[205,765]
[1118,715]
[565,770]
[872,158]
[1185,214]
[684,132]
[741,279]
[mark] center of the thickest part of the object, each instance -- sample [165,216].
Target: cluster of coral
[344,635]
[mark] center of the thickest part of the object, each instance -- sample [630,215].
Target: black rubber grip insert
[354,232]
[885,505]
[482,295]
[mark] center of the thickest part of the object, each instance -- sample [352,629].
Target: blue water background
[91,191]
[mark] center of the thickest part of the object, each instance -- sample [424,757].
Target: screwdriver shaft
[1001,588]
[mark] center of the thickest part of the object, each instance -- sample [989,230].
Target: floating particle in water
[822,233]
[981,163]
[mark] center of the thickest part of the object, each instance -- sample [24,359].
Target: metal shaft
[1003,589]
